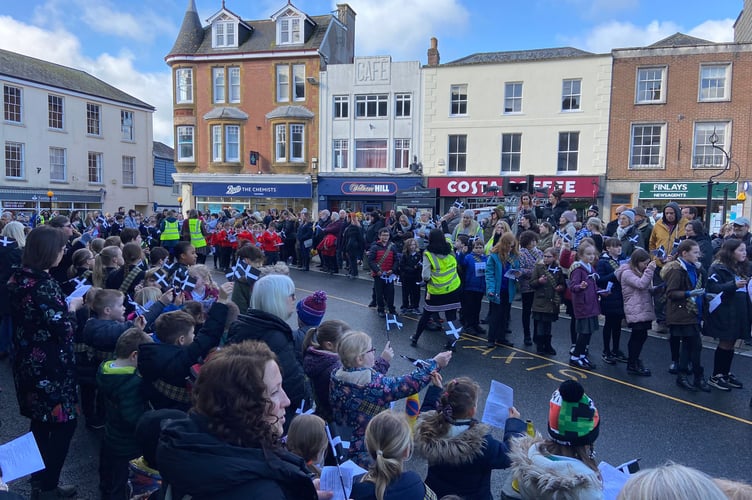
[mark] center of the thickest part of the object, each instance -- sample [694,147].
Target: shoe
[620,356]
[637,369]
[540,350]
[528,341]
[683,382]
[403,310]
[478,330]
[607,357]
[571,349]
[508,330]
[372,304]
[381,314]
[413,341]
[504,342]
[550,351]
[702,384]
[490,344]
[673,369]
[484,322]
[393,312]
[733,382]
[581,363]
[719,382]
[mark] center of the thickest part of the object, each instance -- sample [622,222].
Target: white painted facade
[540,121]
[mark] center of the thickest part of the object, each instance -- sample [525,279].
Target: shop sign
[263,190]
[574,187]
[684,190]
[359,188]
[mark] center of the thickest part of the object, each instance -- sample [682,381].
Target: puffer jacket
[664,236]
[613,302]
[584,301]
[543,476]
[318,365]
[638,301]
[680,309]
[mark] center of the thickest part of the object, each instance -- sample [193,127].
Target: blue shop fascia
[363,193]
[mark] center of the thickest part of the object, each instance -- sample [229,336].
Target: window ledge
[92,136]
[58,181]
[16,179]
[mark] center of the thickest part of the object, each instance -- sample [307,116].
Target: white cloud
[103,17]
[715,30]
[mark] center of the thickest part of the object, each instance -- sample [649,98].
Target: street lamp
[713,139]
[50,194]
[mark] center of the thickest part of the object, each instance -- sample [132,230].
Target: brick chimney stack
[433,52]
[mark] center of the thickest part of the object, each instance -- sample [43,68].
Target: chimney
[433,52]
[346,15]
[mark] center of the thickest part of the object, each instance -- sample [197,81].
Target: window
[129,170]
[705,155]
[57,164]
[370,153]
[289,30]
[93,119]
[571,92]
[458,100]
[650,83]
[184,85]
[14,160]
[569,146]
[511,152]
[402,105]
[341,106]
[401,153]
[55,111]
[185,143]
[714,81]
[340,153]
[95,168]
[224,34]
[218,83]
[234,84]
[12,104]
[216,142]
[647,145]
[283,83]
[296,142]
[232,143]
[457,153]
[281,142]
[371,106]
[513,97]
[126,125]
[298,80]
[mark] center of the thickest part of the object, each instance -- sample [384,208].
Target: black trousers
[451,315]
[384,295]
[410,293]
[53,440]
[612,333]
[305,257]
[636,341]
[113,475]
[499,318]
[527,311]
[471,304]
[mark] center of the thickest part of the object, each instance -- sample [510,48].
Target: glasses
[292,296]
[372,349]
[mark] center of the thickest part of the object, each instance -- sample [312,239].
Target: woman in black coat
[354,244]
[11,250]
[694,230]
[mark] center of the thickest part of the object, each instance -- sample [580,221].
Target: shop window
[513,97]
[511,152]
[370,153]
[569,145]
[571,93]
[707,134]
[647,145]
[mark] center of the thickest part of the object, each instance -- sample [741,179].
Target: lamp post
[50,194]
[713,139]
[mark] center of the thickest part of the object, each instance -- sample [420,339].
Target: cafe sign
[684,190]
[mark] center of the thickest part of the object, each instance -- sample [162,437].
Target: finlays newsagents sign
[683,190]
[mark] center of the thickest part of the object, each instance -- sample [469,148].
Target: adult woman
[354,244]
[527,222]
[731,320]
[546,236]
[44,368]
[529,255]
[694,230]
[401,230]
[11,252]
[636,278]
[502,268]
[443,291]
[272,304]
[525,208]
[423,229]
[489,225]
[500,228]
[228,445]
[360,389]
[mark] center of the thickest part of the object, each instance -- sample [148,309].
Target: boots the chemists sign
[684,190]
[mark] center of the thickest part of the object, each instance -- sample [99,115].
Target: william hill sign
[684,190]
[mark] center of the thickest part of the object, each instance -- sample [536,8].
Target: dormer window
[225,34]
[289,30]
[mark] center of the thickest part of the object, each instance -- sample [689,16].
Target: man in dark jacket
[382,259]
[305,241]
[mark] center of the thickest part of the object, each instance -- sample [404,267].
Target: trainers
[413,341]
[620,356]
[733,382]
[719,382]
[581,363]
[372,304]
[661,328]
[637,368]
[673,368]
[607,357]
[702,384]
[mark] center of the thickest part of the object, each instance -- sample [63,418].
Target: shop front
[362,194]
[25,202]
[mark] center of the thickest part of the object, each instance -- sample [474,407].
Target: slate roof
[680,40]
[191,32]
[162,150]
[226,112]
[519,56]
[34,70]
[290,112]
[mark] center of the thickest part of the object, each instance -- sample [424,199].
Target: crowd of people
[205,390]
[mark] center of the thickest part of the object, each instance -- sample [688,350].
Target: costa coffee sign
[573,187]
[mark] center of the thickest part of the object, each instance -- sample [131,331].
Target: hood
[621,270]
[540,475]
[316,362]
[257,325]
[110,378]
[460,449]
[677,211]
[353,376]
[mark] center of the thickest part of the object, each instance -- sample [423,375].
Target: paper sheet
[20,457]
[715,302]
[613,480]
[512,274]
[78,292]
[330,481]
[608,288]
[500,399]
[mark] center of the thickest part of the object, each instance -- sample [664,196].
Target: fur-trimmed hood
[450,449]
[539,476]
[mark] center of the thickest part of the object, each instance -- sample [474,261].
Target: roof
[680,40]
[191,32]
[34,70]
[290,112]
[519,56]
[162,150]
[227,113]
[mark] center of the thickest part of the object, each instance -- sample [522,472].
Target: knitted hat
[569,215]
[573,419]
[593,208]
[630,215]
[311,309]
[640,211]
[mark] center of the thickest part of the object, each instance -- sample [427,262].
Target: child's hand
[167,297]
[436,379]
[513,413]
[542,279]
[583,285]
[225,290]
[388,352]
[139,322]
[75,304]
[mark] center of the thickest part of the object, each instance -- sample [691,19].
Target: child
[500,288]
[311,311]
[80,272]
[461,452]
[320,359]
[205,288]
[382,260]
[612,302]
[129,274]
[120,386]
[636,278]
[411,268]
[270,243]
[158,256]
[584,303]
[474,282]
[106,262]
[184,256]
[307,439]
[529,255]
[547,282]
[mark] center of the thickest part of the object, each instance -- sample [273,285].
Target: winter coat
[354,241]
[645,229]
[102,334]
[10,257]
[636,290]
[566,233]
[165,367]
[318,365]
[731,319]
[539,475]
[546,241]
[495,277]
[612,303]
[473,264]
[460,462]
[305,232]
[528,258]
[411,267]
[124,401]
[631,239]
[44,368]
[665,236]
[555,212]
[706,250]
[375,254]
[399,234]
[359,394]
[259,325]
[547,299]
[194,462]
[584,301]
[408,486]
[680,309]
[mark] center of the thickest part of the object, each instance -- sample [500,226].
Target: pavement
[641,417]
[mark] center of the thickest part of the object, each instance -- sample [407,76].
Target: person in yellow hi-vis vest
[442,285]
[169,232]
[194,230]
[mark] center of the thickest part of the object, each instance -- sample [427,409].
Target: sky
[124,42]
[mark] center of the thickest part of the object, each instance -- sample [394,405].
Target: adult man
[741,231]
[592,211]
[665,238]
[612,226]
[169,231]
[642,223]
[689,213]
[469,227]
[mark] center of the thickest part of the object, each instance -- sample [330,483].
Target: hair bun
[571,391]
[319,296]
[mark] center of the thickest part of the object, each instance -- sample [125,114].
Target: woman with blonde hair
[389,445]
[501,227]
[502,268]
[671,482]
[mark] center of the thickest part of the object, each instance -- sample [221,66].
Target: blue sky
[124,43]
